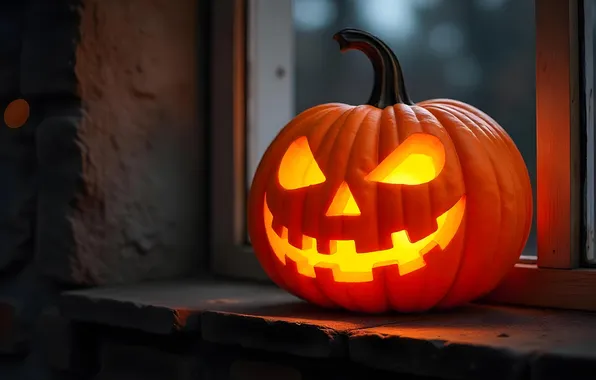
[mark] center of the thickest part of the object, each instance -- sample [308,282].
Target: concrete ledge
[473,342]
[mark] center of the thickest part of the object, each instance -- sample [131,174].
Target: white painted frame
[252,41]
[270,60]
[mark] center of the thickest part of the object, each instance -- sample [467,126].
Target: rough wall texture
[136,213]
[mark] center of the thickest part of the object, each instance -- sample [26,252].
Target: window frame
[565,207]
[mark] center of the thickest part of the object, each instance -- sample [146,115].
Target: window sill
[477,341]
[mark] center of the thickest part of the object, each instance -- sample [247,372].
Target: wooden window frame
[565,208]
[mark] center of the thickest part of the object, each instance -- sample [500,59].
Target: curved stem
[389,86]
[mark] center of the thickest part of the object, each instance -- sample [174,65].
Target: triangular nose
[343,202]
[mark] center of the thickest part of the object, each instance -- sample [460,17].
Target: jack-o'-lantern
[390,205]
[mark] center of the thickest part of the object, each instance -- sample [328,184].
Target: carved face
[352,206]
[418,160]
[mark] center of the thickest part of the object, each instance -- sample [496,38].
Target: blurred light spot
[16,113]
[490,5]
[446,39]
[463,72]
[310,15]
[391,19]
[426,4]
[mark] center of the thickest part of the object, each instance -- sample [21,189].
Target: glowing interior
[343,202]
[417,160]
[298,167]
[348,265]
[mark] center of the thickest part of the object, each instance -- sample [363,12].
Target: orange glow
[348,265]
[343,202]
[298,167]
[16,113]
[417,160]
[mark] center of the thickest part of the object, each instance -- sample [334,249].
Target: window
[523,62]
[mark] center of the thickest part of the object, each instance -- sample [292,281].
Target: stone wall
[132,213]
[104,182]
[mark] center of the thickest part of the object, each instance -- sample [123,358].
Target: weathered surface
[136,216]
[293,327]
[474,342]
[162,307]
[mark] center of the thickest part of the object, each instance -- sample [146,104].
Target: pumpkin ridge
[354,155]
[521,170]
[463,225]
[439,112]
[300,124]
[325,136]
[478,128]
[429,197]
[391,114]
[332,128]
[517,184]
[304,203]
[333,148]
[513,170]
[318,115]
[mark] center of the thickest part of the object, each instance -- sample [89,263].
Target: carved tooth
[385,242]
[332,247]
[307,242]
[364,247]
[413,237]
[277,227]
[295,238]
[326,247]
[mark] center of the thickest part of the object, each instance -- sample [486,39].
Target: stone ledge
[162,307]
[473,342]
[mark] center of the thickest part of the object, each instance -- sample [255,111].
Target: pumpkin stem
[389,86]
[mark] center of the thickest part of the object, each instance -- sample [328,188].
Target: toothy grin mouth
[350,266]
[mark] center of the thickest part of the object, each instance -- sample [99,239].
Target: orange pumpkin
[389,205]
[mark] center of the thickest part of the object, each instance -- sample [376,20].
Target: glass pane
[481,52]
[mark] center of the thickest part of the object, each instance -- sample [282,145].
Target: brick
[48,48]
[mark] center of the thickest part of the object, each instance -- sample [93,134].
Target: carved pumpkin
[389,205]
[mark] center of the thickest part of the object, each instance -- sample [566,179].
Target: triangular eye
[417,160]
[298,167]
